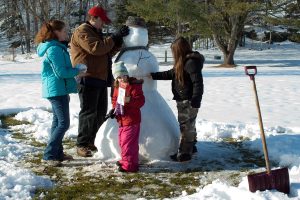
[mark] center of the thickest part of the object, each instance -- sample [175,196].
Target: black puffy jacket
[192,89]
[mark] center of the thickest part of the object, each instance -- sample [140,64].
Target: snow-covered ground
[15,181]
[228,111]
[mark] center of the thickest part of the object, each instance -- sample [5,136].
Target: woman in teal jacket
[57,83]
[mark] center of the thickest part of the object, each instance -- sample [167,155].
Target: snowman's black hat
[136,22]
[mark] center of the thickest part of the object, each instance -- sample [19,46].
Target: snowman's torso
[159,135]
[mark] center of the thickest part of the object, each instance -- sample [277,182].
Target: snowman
[159,135]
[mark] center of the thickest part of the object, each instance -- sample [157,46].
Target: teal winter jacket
[57,72]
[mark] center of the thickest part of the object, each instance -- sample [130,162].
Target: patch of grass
[35,143]
[250,157]
[70,143]
[34,159]
[8,120]
[235,179]
[116,186]
[185,179]
[18,136]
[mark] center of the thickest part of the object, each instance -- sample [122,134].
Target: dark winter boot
[186,148]
[195,150]
[120,169]
[92,147]
[174,157]
[118,164]
[184,157]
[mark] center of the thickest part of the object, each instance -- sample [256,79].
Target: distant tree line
[222,21]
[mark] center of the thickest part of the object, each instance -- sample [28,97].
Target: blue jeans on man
[60,125]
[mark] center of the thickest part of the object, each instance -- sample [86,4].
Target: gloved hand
[118,36]
[123,31]
[111,113]
[81,67]
[196,103]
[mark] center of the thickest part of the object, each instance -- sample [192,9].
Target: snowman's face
[137,37]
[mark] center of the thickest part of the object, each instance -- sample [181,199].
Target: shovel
[271,179]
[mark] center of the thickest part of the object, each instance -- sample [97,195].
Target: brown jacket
[89,48]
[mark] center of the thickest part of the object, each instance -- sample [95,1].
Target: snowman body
[159,135]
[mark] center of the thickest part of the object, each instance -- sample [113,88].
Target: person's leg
[186,118]
[119,163]
[130,148]
[101,112]
[54,120]
[88,97]
[54,149]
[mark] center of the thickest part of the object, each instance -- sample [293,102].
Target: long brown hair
[180,48]
[46,32]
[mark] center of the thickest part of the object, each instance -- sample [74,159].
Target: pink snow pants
[129,144]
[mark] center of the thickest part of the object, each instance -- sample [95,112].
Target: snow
[137,37]
[15,181]
[228,110]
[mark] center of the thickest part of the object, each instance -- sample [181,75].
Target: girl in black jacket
[187,88]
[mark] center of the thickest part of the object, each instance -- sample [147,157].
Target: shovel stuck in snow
[276,179]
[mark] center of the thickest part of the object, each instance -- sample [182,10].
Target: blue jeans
[60,125]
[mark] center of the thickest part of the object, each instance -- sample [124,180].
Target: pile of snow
[16,182]
[219,190]
[283,148]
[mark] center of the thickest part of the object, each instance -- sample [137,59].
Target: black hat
[136,22]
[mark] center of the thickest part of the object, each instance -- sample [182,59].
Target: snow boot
[92,147]
[174,157]
[67,157]
[84,152]
[120,169]
[184,157]
[195,150]
[118,164]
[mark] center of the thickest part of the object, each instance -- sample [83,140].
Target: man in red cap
[89,47]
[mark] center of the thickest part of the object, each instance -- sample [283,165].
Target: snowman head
[138,33]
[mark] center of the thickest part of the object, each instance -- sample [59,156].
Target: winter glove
[81,67]
[118,36]
[196,103]
[111,113]
[123,31]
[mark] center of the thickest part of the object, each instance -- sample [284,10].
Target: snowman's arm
[93,45]
[166,75]
[137,98]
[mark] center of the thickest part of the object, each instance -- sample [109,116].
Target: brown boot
[92,147]
[84,152]
[67,157]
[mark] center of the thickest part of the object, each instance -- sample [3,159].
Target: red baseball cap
[98,11]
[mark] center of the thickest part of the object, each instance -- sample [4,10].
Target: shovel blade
[277,179]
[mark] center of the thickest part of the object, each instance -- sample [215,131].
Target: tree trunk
[86,9]
[80,11]
[228,59]
[28,31]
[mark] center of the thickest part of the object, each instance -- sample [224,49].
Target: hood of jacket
[44,46]
[195,55]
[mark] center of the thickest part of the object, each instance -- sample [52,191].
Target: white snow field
[228,111]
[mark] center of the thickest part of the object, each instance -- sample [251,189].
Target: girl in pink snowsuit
[127,100]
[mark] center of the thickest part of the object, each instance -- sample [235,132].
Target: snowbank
[15,181]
